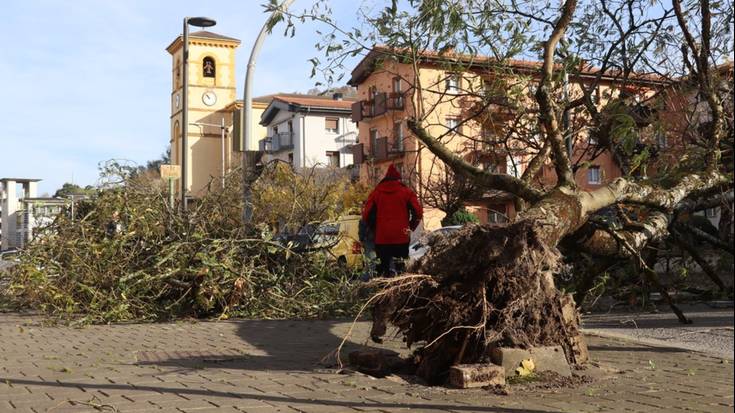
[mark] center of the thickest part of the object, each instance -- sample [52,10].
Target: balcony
[279,142]
[378,105]
[384,150]
[358,154]
[395,101]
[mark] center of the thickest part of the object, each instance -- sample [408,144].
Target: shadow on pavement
[638,320]
[271,345]
[633,348]
[265,397]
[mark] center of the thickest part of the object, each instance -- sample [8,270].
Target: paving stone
[281,361]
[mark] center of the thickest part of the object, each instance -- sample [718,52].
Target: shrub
[460,217]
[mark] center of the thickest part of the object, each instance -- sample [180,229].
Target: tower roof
[203,36]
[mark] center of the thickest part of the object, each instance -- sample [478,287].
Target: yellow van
[348,250]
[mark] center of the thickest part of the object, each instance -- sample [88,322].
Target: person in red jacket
[392,211]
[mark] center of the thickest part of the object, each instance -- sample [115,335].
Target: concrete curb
[652,342]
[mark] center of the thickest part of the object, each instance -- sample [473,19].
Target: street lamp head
[201,21]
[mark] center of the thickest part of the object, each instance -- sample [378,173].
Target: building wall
[13,232]
[311,140]
[319,141]
[430,99]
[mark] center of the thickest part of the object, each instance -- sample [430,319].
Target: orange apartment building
[442,89]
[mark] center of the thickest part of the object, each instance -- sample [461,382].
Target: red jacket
[396,209]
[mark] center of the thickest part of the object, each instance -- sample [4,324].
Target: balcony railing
[383,149]
[281,142]
[378,105]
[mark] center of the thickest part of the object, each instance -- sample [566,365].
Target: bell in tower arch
[208,67]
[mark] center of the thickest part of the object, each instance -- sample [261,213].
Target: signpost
[170,172]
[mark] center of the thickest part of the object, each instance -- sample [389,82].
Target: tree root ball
[483,287]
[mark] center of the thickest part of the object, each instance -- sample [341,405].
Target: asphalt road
[711,331]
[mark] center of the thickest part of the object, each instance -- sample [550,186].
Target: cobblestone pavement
[711,331]
[274,366]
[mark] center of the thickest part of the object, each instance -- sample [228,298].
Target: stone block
[549,358]
[466,376]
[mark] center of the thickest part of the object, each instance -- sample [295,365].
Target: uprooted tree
[558,87]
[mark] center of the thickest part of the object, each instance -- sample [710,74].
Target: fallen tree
[125,254]
[494,286]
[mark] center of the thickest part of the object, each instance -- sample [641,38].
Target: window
[373,140]
[594,175]
[208,67]
[497,214]
[710,212]
[513,166]
[452,123]
[398,135]
[333,159]
[372,91]
[661,141]
[592,140]
[178,74]
[596,96]
[397,96]
[331,125]
[452,83]
[489,166]
[486,135]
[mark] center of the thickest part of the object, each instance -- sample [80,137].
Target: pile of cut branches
[489,287]
[125,254]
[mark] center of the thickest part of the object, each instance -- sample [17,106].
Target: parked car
[348,249]
[419,248]
[339,239]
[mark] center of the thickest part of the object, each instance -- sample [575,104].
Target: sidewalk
[273,366]
[711,331]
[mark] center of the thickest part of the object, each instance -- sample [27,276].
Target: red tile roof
[315,101]
[365,67]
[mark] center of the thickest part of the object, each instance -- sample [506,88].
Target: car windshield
[329,229]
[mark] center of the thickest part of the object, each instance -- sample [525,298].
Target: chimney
[337,96]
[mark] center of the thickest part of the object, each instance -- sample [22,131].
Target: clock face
[209,98]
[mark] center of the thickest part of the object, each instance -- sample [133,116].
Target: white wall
[319,141]
[312,141]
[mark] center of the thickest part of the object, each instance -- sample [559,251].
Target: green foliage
[73,189]
[460,217]
[284,198]
[127,255]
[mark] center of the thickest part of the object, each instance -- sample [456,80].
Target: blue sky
[89,80]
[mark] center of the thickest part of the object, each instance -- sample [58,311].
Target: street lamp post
[198,22]
[249,157]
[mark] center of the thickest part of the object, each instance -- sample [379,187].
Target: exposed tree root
[487,287]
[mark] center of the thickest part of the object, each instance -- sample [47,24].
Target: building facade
[444,91]
[22,213]
[308,131]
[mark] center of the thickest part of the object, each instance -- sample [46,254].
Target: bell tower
[211,94]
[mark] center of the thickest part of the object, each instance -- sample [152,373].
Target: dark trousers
[386,253]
